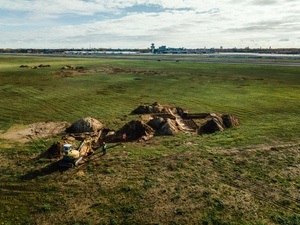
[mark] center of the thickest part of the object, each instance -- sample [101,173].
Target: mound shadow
[52,168]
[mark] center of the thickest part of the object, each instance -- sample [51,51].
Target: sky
[138,23]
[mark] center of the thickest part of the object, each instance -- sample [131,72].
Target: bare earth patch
[34,131]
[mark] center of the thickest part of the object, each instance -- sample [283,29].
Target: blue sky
[138,23]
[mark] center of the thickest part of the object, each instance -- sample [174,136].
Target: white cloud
[187,23]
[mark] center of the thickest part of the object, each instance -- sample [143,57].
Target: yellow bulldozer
[72,156]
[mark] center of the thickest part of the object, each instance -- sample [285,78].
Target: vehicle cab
[69,154]
[66,148]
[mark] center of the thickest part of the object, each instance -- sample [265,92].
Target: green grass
[264,98]
[245,175]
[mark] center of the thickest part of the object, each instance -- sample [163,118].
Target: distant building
[166,50]
[152,48]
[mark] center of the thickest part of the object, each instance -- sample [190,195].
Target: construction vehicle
[73,156]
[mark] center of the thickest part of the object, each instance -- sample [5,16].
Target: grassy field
[245,175]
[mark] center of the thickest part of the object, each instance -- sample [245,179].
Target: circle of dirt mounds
[70,71]
[167,120]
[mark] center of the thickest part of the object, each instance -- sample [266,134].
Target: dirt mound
[150,109]
[55,151]
[35,67]
[24,66]
[34,131]
[157,108]
[136,130]
[156,123]
[164,126]
[67,67]
[218,122]
[44,65]
[87,124]
[169,128]
[230,121]
[211,126]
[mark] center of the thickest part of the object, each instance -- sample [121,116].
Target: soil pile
[35,67]
[169,127]
[136,130]
[55,151]
[164,126]
[72,67]
[150,109]
[83,125]
[212,125]
[218,122]
[230,121]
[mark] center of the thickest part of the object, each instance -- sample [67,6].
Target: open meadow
[249,174]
